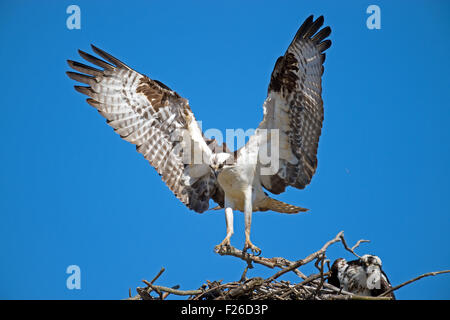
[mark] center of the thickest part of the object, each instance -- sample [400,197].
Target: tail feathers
[275,205]
[282,207]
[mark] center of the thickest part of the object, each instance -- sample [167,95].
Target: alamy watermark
[263,147]
[74,19]
[374,20]
[73,281]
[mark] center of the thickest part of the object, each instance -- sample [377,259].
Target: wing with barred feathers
[156,119]
[294,107]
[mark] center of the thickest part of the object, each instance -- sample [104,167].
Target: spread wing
[156,119]
[294,106]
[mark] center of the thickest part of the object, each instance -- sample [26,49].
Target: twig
[275,262]
[165,294]
[308,259]
[158,275]
[173,291]
[213,288]
[244,274]
[245,288]
[321,258]
[232,251]
[306,281]
[358,243]
[412,280]
[140,293]
[352,249]
[352,297]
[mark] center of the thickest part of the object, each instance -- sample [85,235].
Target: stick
[352,297]
[245,288]
[308,259]
[171,290]
[352,249]
[158,275]
[136,297]
[412,280]
[232,251]
[225,285]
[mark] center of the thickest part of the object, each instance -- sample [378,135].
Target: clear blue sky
[73,193]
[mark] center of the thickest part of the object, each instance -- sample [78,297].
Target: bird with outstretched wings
[162,126]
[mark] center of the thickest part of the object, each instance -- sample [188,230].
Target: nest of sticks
[311,287]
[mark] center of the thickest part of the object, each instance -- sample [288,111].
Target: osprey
[161,124]
[363,276]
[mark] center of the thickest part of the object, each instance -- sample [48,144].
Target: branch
[172,290]
[352,249]
[249,258]
[308,259]
[413,280]
[245,288]
[352,297]
[145,292]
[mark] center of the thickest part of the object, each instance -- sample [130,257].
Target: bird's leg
[248,210]
[229,221]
